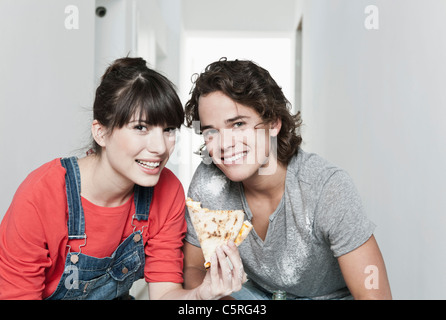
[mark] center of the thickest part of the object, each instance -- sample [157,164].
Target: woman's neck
[101,185]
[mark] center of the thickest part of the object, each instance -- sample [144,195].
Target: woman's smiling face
[235,136]
[138,152]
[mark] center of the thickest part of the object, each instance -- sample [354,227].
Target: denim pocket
[81,289]
[107,283]
[127,265]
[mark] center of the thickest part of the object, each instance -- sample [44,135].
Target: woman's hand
[223,277]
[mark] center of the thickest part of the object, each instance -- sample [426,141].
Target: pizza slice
[216,227]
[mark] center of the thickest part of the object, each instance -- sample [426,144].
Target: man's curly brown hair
[249,84]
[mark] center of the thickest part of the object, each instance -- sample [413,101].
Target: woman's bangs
[159,108]
[153,104]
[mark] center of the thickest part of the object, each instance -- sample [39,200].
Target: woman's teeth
[236,157]
[149,165]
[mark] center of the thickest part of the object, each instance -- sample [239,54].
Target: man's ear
[275,127]
[98,132]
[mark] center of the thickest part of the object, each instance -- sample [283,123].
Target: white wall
[374,103]
[238,15]
[46,86]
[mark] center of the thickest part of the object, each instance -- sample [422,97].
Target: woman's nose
[155,141]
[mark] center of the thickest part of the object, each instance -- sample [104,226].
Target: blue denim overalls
[87,277]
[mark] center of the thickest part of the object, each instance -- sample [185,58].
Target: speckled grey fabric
[319,218]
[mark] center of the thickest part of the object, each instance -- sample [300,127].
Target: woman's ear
[98,132]
[275,127]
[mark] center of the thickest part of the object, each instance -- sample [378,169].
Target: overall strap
[143,198]
[76,221]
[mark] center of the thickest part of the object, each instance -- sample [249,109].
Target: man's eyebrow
[227,121]
[231,120]
[202,128]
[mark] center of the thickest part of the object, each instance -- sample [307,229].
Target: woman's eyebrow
[138,121]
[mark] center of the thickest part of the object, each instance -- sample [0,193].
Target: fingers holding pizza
[219,233]
[231,267]
[215,228]
[225,274]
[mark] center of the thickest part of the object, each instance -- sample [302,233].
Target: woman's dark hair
[129,87]
[248,84]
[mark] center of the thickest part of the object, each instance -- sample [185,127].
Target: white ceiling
[239,15]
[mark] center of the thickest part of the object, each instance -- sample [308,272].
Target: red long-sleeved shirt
[34,233]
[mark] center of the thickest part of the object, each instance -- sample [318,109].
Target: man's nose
[226,139]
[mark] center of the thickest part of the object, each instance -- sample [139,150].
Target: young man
[311,238]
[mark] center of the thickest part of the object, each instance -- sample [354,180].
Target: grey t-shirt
[319,218]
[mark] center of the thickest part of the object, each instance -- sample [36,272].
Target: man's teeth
[236,157]
[150,165]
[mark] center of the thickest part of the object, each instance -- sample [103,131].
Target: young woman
[311,238]
[88,228]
